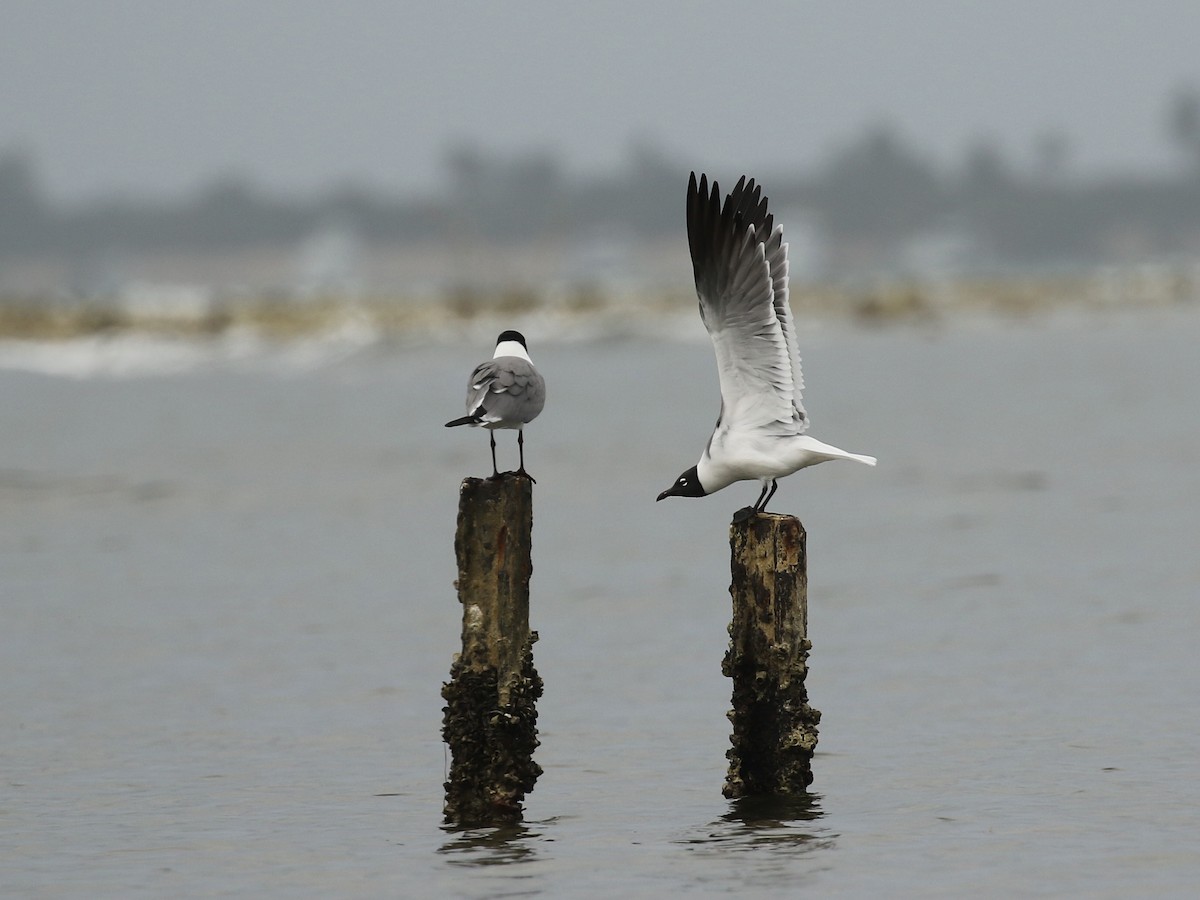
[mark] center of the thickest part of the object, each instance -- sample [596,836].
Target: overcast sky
[159,97]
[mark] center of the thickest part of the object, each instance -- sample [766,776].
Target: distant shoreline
[174,311]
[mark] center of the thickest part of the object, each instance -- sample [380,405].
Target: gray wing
[777,259]
[506,390]
[740,263]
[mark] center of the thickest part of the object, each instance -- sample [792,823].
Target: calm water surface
[228,611]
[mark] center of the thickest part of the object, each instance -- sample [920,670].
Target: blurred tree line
[876,191]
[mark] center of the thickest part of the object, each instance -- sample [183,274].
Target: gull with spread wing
[741,266]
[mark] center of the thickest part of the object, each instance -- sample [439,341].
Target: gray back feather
[508,389]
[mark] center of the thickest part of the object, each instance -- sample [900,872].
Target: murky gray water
[228,611]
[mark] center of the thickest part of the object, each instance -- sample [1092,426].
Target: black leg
[763,506]
[761,501]
[521,450]
[492,437]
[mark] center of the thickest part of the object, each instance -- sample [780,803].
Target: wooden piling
[774,728]
[490,717]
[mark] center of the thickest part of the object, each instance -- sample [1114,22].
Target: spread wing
[741,268]
[507,389]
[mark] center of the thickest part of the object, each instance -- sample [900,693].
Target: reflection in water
[770,834]
[493,846]
[755,822]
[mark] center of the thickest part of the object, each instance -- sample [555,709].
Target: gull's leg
[521,450]
[762,497]
[762,507]
[492,438]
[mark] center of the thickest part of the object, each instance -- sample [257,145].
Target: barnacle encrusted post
[774,728]
[490,717]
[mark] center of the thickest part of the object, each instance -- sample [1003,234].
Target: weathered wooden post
[490,717]
[774,728]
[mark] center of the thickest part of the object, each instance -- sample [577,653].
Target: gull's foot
[524,474]
[495,476]
[745,514]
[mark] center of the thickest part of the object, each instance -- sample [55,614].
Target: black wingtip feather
[716,229]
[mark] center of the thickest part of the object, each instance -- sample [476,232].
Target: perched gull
[741,267]
[505,392]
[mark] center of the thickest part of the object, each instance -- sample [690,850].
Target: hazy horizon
[155,100]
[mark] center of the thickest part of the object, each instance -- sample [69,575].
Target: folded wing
[507,389]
